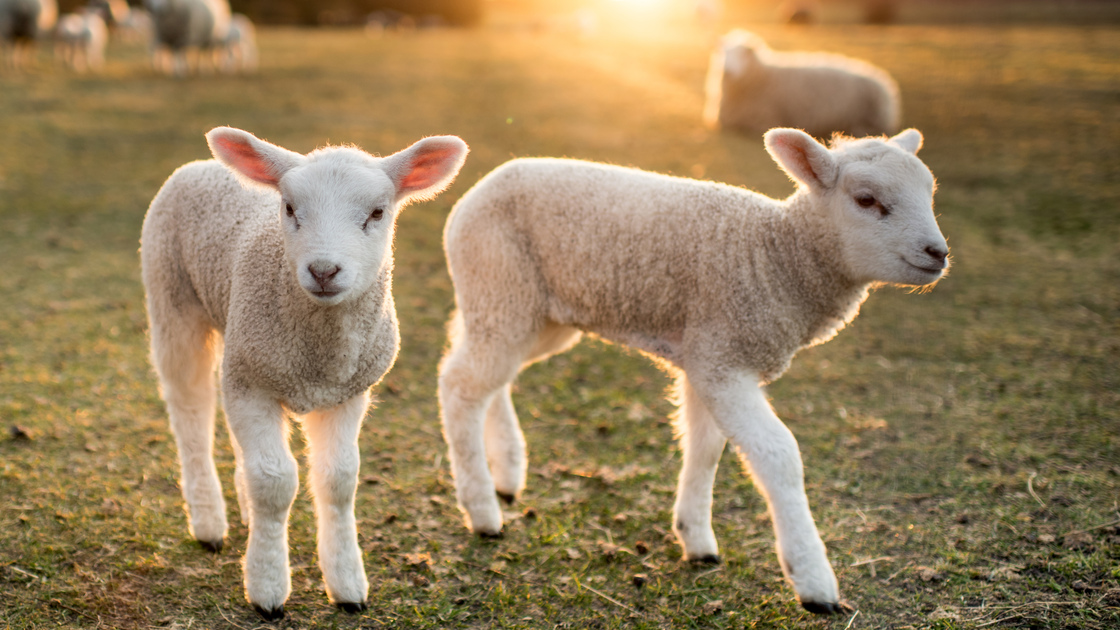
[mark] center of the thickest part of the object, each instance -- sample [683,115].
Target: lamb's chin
[916,277]
[330,297]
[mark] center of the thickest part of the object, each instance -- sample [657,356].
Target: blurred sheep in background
[187,28]
[80,39]
[22,23]
[753,88]
[239,52]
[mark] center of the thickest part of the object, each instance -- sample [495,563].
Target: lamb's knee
[272,485]
[337,482]
[468,382]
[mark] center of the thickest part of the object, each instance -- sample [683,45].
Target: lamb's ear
[252,159]
[909,139]
[802,158]
[426,168]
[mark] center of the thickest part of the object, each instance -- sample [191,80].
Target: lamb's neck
[810,270]
[331,330]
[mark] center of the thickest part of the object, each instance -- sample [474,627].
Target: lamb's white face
[338,205]
[883,207]
[337,237]
[878,196]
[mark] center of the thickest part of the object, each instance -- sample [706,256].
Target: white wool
[279,266]
[80,40]
[720,285]
[182,28]
[753,88]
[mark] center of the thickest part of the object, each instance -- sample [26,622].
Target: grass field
[962,446]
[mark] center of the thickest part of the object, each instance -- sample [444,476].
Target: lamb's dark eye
[290,210]
[375,215]
[865,201]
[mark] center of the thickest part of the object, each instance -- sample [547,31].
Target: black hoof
[274,614]
[213,546]
[508,498]
[491,535]
[351,607]
[827,608]
[708,559]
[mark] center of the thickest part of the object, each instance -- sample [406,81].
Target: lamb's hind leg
[702,444]
[333,460]
[471,375]
[769,451]
[505,444]
[184,352]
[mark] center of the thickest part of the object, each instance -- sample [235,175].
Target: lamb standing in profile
[753,88]
[287,259]
[720,285]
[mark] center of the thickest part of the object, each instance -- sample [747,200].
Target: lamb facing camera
[285,260]
[720,285]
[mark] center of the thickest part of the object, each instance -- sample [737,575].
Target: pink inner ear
[242,156]
[427,170]
[798,156]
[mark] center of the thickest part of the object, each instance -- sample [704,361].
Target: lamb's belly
[665,346]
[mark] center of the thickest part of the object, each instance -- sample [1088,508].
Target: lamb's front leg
[702,444]
[769,451]
[332,437]
[271,479]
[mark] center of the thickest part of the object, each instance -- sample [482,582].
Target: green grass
[955,438]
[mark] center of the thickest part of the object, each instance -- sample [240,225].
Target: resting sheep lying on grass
[287,260]
[720,285]
[753,88]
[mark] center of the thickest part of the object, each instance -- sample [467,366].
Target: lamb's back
[199,225]
[620,252]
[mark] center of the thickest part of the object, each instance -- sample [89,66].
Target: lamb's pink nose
[937,253]
[323,272]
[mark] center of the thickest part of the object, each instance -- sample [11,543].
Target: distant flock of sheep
[183,35]
[277,267]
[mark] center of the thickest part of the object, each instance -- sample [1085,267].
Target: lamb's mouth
[325,294]
[935,271]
